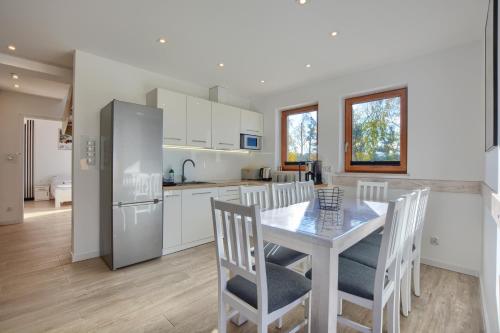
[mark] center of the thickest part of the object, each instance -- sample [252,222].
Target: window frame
[284,134]
[402,93]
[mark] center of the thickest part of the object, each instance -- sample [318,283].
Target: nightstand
[42,192]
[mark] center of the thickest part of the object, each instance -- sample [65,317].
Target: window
[299,136]
[376,132]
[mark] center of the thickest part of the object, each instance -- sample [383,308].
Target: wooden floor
[40,290]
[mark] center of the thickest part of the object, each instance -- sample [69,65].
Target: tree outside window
[376,132]
[299,128]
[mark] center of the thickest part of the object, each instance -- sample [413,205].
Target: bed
[60,190]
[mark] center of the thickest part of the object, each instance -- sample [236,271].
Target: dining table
[323,234]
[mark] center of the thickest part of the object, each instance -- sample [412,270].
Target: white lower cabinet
[172,221]
[197,215]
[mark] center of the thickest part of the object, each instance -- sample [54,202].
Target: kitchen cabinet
[252,123]
[174,107]
[199,122]
[172,221]
[225,126]
[197,215]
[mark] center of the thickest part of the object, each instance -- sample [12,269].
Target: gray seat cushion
[374,239]
[283,286]
[363,252]
[354,278]
[281,255]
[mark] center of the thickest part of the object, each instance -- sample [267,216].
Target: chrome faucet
[183,178]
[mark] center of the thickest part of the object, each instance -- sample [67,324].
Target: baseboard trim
[484,309]
[186,246]
[84,256]
[449,267]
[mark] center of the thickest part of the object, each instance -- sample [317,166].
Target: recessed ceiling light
[14,76]
[16,86]
[262,81]
[221,65]
[308,66]
[334,33]
[301,2]
[162,40]
[11,47]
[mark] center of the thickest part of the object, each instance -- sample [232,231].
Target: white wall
[212,166]
[445,138]
[13,108]
[49,161]
[97,81]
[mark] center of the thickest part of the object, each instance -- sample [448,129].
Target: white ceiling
[269,40]
[31,82]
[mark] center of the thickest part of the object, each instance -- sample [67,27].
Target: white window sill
[372,175]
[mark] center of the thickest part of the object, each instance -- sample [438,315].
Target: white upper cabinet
[225,126]
[252,123]
[199,122]
[174,114]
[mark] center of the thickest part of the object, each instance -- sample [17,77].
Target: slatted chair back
[304,190]
[238,230]
[389,253]
[372,191]
[422,208]
[284,194]
[255,195]
[410,220]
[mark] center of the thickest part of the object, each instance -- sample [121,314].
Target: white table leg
[324,290]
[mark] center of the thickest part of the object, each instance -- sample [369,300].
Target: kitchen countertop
[223,183]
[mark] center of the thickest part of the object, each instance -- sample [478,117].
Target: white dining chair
[276,254]
[417,242]
[255,195]
[375,288]
[367,250]
[284,194]
[262,292]
[372,191]
[407,236]
[304,191]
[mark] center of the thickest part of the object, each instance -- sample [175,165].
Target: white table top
[309,223]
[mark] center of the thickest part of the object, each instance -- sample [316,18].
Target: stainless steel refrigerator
[131,164]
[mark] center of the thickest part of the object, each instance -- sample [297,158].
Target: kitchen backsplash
[212,165]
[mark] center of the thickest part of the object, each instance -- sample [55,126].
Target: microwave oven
[252,142]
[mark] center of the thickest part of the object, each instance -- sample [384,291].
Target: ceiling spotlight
[221,65]
[302,2]
[334,34]
[262,81]
[11,47]
[14,76]
[162,40]
[16,86]
[308,66]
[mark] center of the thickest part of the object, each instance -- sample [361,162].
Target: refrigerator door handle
[121,204]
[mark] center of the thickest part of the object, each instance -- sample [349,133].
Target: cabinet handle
[226,144]
[178,139]
[172,195]
[250,130]
[202,141]
[200,193]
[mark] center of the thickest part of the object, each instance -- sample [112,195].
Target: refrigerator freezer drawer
[137,233]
